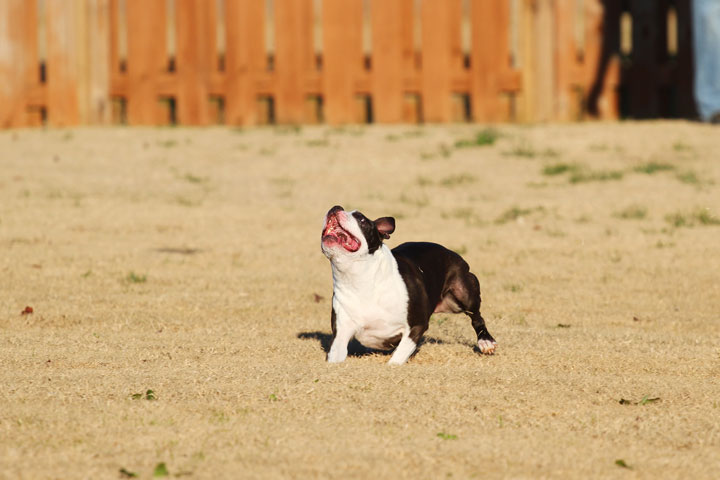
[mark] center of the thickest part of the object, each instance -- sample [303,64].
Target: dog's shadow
[355,348]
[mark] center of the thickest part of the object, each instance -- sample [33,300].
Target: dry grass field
[181,304]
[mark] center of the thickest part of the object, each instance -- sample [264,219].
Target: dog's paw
[487,346]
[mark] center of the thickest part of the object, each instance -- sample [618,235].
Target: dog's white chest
[373,299]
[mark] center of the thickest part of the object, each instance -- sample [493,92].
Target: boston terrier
[384,298]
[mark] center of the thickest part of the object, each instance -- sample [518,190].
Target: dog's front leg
[343,332]
[407,346]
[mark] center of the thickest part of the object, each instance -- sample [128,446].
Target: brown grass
[193,271]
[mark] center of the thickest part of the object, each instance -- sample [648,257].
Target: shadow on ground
[356,349]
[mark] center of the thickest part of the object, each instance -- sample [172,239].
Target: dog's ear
[386,226]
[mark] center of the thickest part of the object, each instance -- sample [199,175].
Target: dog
[384,298]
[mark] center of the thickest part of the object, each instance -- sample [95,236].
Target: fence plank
[342,57]
[390,50]
[294,57]
[95,99]
[18,61]
[489,58]
[62,99]
[196,52]
[147,60]
[245,59]
[436,59]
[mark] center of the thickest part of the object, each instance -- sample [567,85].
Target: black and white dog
[385,298]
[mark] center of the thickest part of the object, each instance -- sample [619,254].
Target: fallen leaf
[28,310]
[318,298]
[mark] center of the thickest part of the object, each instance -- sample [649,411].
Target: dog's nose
[335,209]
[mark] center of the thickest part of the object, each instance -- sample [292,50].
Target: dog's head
[352,234]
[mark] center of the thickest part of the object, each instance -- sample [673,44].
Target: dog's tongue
[334,233]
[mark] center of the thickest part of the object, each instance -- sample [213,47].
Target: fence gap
[314,109]
[42,40]
[672,31]
[465,34]
[515,59]
[168,105]
[366,36]
[121,36]
[579,29]
[170,35]
[266,110]
[317,34]
[220,34]
[217,109]
[626,34]
[417,33]
[270,35]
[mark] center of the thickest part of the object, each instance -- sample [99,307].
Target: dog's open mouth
[334,233]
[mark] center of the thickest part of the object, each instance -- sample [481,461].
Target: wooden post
[196,56]
[147,59]
[18,60]
[342,57]
[245,59]
[390,49]
[293,57]
[489,57]
[62,80]
[436,60]
[95,52]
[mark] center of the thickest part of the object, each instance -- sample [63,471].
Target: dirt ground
[181,304]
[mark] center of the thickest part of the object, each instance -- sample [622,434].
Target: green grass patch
[318,142]
[148,395]
[689,177]
[584,176]
[525,150]
[133,277]
[483,138]
[424,181]
[194,178]
[681,147]
[455,180]
[447,436]
[125,473]
[699,217]
[513,213]
[161,470]
[633,212]
[653,167]
[559,169]
[288,130]
[464,213]
[621,463]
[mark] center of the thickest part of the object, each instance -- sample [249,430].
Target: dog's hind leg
[462,294]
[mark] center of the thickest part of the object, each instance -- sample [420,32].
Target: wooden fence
[249,62]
